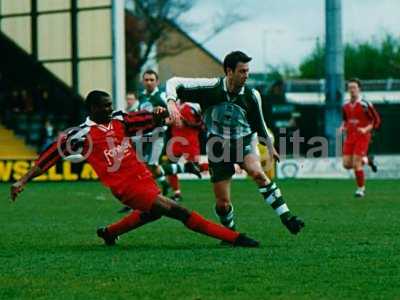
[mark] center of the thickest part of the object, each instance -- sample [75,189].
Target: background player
[185,142]
[102,139]
[233,117]
[360,118]
[150,146]
[132,103]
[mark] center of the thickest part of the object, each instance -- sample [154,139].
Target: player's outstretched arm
[188,90]
[18,186]
[144,121]
[46,160]
[174,113]
[191,88]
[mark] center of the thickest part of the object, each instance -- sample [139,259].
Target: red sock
[199,224]
[360,177]
[174,182]
[203,167]
[134,220]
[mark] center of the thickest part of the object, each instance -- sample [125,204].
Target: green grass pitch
[349,248]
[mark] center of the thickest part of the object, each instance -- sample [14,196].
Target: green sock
[226,218]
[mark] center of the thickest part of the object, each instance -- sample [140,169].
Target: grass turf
[349,248]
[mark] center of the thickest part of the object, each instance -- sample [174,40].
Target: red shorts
[191,152]
[356,146]
[138,194]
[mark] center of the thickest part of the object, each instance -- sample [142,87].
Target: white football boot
[360,192]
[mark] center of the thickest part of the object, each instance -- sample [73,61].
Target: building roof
[185,34]
[200,46]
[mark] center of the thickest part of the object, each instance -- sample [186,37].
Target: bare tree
[149,24]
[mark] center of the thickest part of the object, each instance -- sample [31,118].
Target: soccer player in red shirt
[104,141]
[185,142]
[359,119]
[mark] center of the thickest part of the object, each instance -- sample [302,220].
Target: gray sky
[285,31]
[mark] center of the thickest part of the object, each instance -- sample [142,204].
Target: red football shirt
[107,148]
[359,114]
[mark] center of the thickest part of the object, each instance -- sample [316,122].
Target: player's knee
[258,176]
[358,165]
[179,213]
[148,216]
[348,165]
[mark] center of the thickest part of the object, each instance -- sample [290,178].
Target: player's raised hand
[16,189]
[160,112]
[159,115]
[363,130]
[174,113]
[343,128]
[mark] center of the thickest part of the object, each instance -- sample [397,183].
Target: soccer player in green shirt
[149,146]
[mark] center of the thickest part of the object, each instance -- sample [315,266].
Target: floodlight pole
[118,49]
[334,73]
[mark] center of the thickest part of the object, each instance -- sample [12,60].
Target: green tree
[366,60]
[313,65]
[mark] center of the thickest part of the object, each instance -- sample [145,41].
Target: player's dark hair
[93,98]
[356,81]
[151,72]
[233,58]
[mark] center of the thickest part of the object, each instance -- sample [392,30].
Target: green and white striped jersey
[226,115]
[148,101]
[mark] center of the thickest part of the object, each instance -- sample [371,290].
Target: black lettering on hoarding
[12,170]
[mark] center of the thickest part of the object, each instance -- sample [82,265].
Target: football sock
[199,224]
[134,220]
[162,180]
[226,217]
[174,182]
[203,167]
[360,179]
[273,196]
